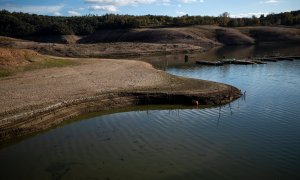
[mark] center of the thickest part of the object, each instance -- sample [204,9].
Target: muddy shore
[37,100]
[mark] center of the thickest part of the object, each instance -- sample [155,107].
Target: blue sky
[236,8]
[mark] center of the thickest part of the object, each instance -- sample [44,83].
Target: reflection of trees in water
[257,50]
[235,51]
[225,70]
[178,60]
[277,49]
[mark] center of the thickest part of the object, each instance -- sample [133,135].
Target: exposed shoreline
[37,100]
[149,41]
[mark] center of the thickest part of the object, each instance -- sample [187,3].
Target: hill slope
[263,34]
[205,36]
[145,41]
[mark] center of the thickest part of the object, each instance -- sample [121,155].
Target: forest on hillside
[18,24]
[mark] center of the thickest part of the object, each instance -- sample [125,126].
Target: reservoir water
[254,137]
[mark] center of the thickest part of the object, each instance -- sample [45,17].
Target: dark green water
[255,137]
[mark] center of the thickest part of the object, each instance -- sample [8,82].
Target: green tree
[287,18]
[255,21]
[55,29]
[24,24]
[233,22]
[224,19]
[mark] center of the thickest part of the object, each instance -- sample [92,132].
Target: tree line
[18,24]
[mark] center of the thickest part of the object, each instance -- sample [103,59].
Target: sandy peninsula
[33,101]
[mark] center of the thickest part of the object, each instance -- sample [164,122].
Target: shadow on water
[66,150]
[59,169]
[147,108]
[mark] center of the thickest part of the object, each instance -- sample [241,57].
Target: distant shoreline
[147,41]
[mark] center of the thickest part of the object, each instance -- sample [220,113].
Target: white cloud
[241,15]
[54,10]
[112,5]
[188,1]
[108,8]
[57,14]
[274,2]
[180,13]
[166,2]
[121,2]
[191,1]
[74,13]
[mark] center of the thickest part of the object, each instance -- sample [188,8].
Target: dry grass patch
[18,60]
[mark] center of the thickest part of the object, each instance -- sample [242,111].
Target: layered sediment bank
[37,100]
